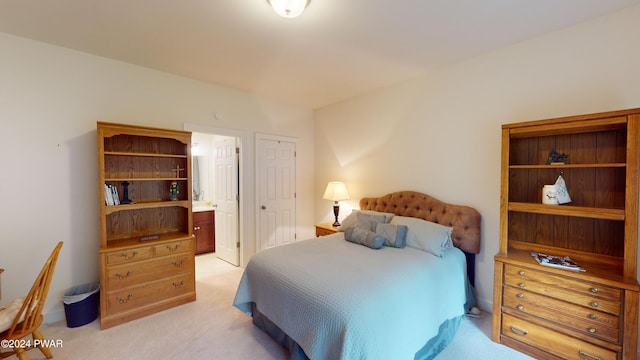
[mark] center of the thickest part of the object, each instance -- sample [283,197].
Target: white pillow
[8,312]
[426,235]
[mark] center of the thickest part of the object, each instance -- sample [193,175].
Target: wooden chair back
[29,317]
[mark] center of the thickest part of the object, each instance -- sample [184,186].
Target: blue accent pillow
[364,237]
[369,221]
[352,219]
[394,235]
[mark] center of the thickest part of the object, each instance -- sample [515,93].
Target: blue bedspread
[340,300]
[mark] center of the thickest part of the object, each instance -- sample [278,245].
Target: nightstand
[325,229]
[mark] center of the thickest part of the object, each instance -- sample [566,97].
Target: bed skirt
[433,347]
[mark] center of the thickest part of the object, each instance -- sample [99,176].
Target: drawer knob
[521,272]
[594,304]
[593,330]
[178,264]
[127,256]
[518,331]
[120,276]
[521,285]
[587,356]
[172,248]
[520,307]
[592,316]
[520,295]
[178,285]
[594,290]
[122,301]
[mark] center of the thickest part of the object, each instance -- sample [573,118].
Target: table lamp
[336,191]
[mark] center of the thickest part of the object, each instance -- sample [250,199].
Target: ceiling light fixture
[288,8]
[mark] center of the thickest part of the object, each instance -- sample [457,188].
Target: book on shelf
[560,262]
[114,192]
[111,196]
[108,195]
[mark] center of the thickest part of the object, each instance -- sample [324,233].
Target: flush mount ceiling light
[288,8]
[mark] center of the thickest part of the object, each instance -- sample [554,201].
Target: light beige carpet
[210,328]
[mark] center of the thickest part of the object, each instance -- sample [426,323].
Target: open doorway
[216,178]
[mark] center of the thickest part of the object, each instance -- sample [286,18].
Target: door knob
[263,207]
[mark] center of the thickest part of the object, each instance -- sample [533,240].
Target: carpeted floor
[210,328]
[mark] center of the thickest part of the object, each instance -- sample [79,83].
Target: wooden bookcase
[146,246]
[552,313]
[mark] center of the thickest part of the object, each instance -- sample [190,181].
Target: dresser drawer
[550,341]
[125,275]
[127,256]
[593,296]
[176,247]
[150,293]
[578,318]
[568,283]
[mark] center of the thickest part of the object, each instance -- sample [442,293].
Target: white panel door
[276,192]
[226,200]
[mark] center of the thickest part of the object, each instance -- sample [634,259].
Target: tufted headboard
[464,219]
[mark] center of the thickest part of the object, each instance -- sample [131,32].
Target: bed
[341,297]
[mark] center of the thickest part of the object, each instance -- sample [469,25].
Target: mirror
[200,185]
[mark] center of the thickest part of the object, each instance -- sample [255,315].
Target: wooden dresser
[552,313]
[146,239]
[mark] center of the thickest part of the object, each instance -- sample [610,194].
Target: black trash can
[81,304]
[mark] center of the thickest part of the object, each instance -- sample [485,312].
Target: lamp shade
[288,8]
[336,191]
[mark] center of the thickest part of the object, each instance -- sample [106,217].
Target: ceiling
[337,48]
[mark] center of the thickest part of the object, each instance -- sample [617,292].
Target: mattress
[340,300]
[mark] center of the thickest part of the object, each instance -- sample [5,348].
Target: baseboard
[54,315]
[485,305]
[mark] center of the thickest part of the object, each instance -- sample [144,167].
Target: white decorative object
[549,195]
[562,194]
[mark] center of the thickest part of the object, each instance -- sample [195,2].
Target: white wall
[441,134]
[50,100]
